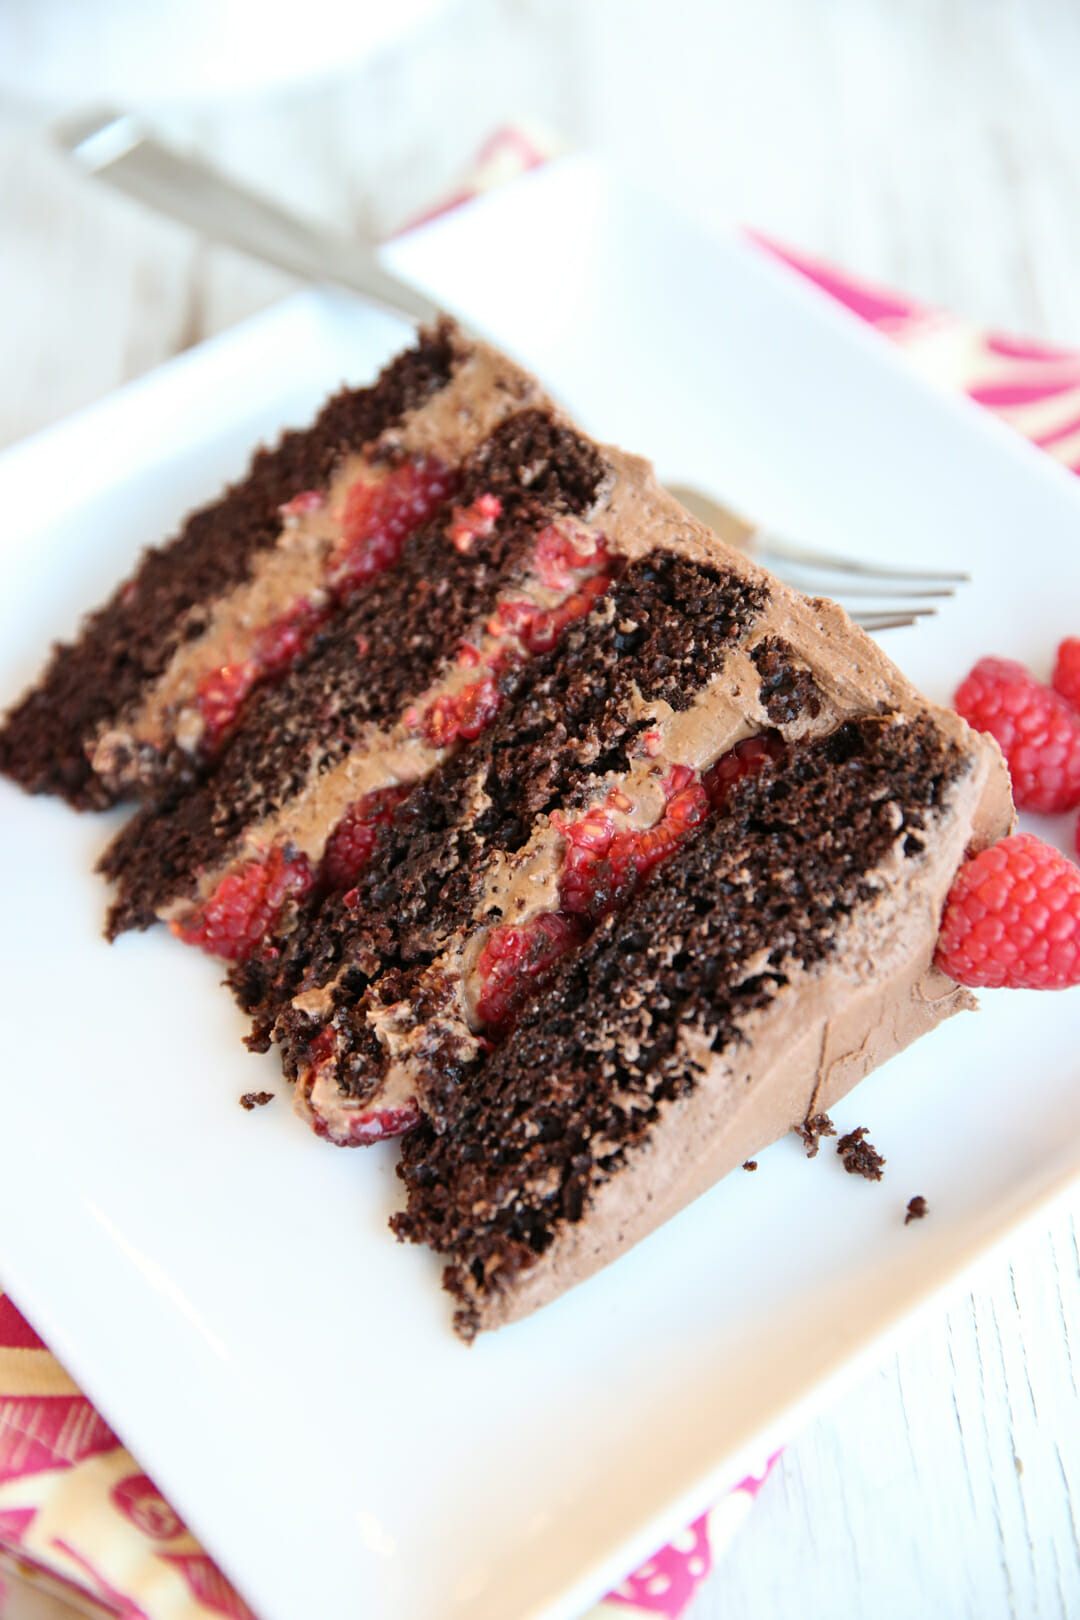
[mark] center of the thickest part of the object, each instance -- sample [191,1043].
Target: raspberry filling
[562,555]
[474,522]
[379,516]
[350,845]
[461,715]
[537,628]
[220,694]
[516,959]
[246,905]
[603,867]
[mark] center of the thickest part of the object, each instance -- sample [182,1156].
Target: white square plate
[222,1283]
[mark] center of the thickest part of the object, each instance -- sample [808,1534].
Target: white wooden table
[934,145]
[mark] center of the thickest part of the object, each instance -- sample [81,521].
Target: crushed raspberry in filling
[562,549]
[539,628]
[461,714]
[308,500]
[603,866]
[474,522]
[246,905]
[349,847]
[379,517]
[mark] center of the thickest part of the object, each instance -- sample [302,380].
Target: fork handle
[117,148]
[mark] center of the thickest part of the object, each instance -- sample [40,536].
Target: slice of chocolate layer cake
[783,951]
[157,677]
[534,821]
[681,893]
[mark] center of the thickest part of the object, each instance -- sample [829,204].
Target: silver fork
[116,147]
[857,585]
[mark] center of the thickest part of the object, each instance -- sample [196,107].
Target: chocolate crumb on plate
[812,1129]
[256,1099]
[861,1158]
[751,1164]
[916,1210]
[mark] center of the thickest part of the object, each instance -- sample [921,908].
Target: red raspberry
[563,548]
[379,517]
[278,643]
[464,714]
[515,960]
[603,868]
[349,847]
[308,500]
[221,693]
[1067,671]
[1013,919]
[246,905]
[1038,731]
[374,1124]
[745,759]
[540,628]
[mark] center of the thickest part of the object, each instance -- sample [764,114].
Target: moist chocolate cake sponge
[765,890]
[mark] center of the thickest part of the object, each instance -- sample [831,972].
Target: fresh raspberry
[1013,919]
[1066,680]
[515,960]
[349,847]
[373,1124]
[1039,733]
[461,714]
[380,516]
[246,905]
[747,758]
[277,644]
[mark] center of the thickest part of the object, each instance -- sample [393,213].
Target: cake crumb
[917,1208]
[812,1129]
[751,1164]
[861,1158]
[256,1099]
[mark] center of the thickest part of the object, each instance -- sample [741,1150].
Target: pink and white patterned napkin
[79,1520]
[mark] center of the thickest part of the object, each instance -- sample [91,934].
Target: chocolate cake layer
[143,698]
[384,650]
[799,877]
